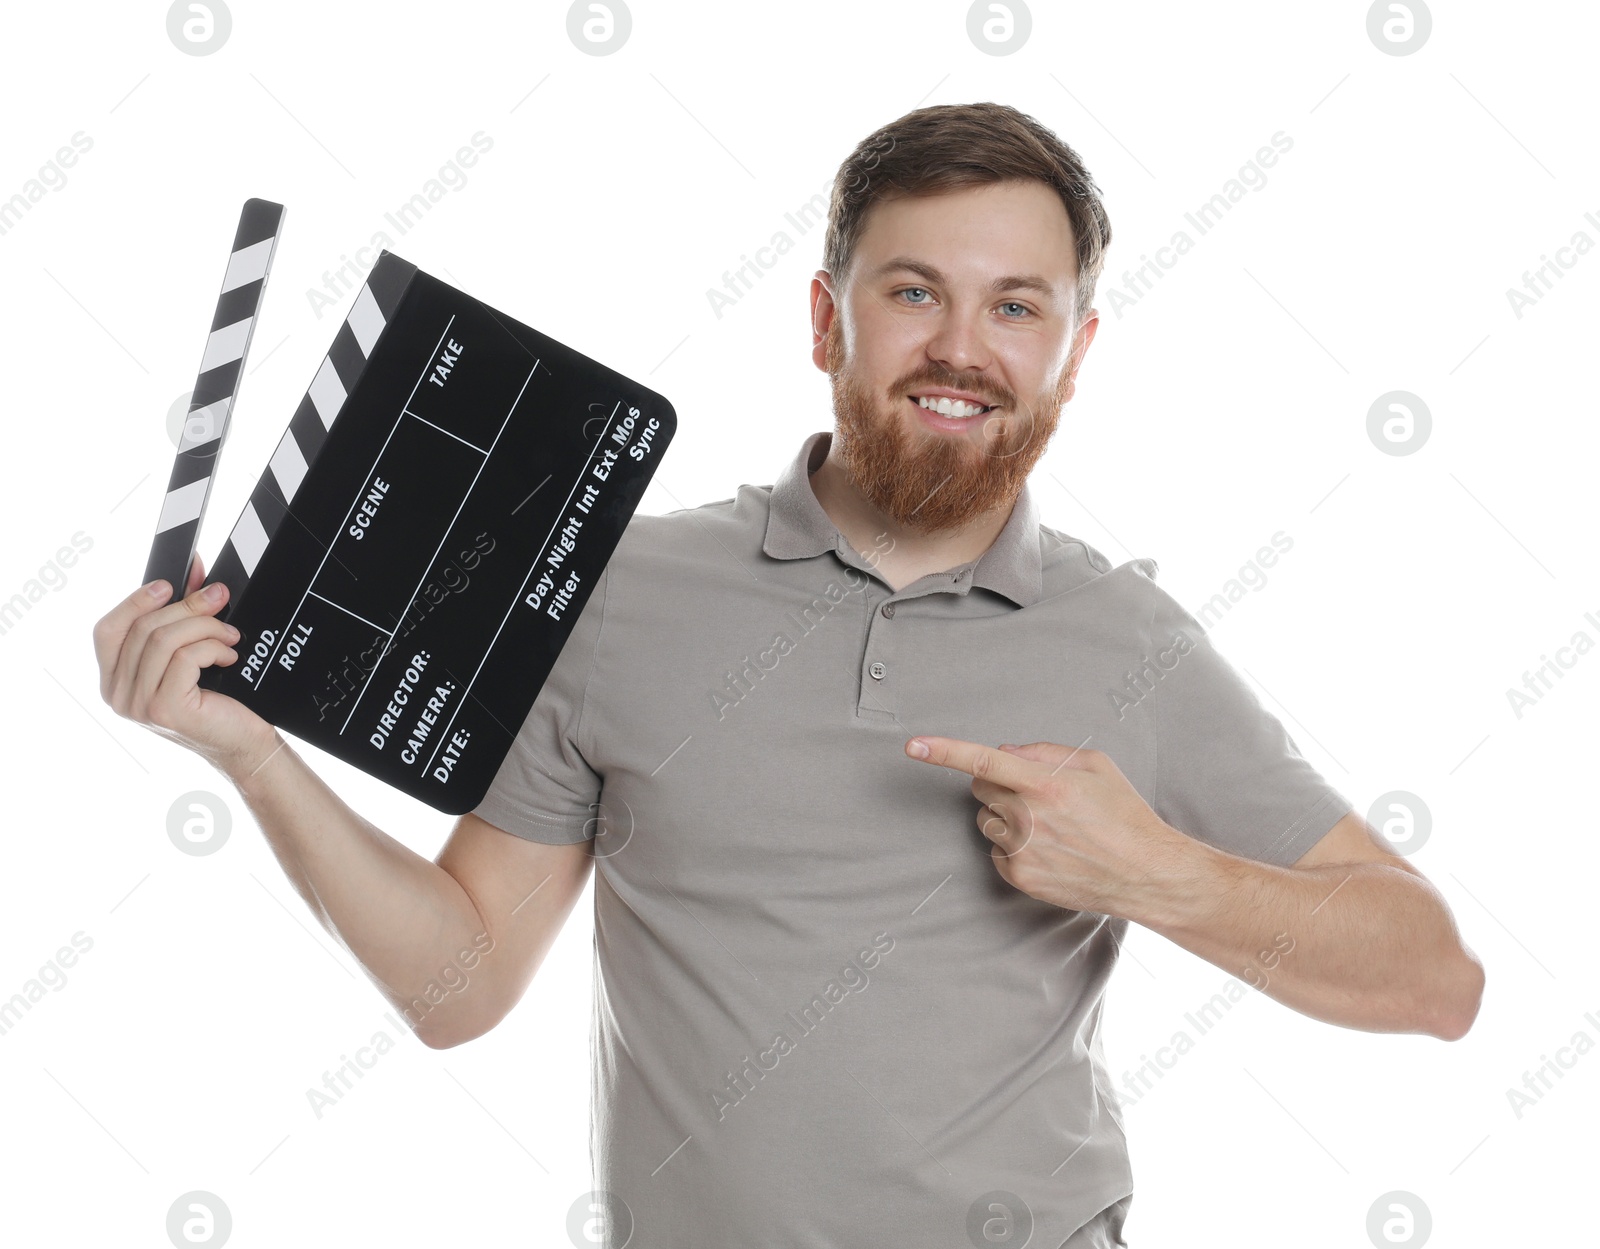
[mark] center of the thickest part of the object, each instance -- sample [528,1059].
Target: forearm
[1362,945]
[405,919]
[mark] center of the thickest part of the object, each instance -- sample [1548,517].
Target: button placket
[881,640]
[876,699]
[878,670]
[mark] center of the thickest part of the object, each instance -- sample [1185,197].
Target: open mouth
[953,409]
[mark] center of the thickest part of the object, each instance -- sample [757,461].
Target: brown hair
[946,146]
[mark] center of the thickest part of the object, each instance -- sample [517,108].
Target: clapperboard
[431,524]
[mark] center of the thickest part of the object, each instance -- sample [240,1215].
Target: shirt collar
[797,526]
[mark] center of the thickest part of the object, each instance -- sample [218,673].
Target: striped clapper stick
[200,448]
[270,501]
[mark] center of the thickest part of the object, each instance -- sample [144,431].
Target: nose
[957,342]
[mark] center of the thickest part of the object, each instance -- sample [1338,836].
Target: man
[848,993]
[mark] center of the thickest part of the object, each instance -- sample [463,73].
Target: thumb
[197,575]
[1054,754]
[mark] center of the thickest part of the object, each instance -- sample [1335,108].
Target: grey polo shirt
[821,1017]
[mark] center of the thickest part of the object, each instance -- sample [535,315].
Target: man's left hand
[1067,826]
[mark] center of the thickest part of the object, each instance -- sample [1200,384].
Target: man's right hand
[401,916]
[150,654]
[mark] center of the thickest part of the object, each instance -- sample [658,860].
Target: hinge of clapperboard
[217,386]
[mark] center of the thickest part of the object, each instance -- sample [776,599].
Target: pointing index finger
[976,760]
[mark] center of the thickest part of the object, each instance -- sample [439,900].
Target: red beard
[928,482]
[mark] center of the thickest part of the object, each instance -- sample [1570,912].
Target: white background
[1228,403]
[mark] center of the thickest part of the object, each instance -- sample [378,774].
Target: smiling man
[765,820]
[848,993]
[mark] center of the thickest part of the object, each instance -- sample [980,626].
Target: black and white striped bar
[270,501]
[216,388]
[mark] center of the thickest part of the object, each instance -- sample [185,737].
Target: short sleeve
[545,788]
[1227,772]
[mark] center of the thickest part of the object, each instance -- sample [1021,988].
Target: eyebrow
[1016,281]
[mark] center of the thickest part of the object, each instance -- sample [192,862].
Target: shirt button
[888,610]
[877,671]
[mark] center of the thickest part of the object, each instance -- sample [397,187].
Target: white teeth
[951,407]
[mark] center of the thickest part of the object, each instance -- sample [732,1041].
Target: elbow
[448,1037]
[442,1032]
[1460,1010]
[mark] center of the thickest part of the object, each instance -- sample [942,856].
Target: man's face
[921,314]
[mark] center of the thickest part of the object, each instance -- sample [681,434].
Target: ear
[1080,347]
[823,310]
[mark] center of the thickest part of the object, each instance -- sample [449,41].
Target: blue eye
[923,290]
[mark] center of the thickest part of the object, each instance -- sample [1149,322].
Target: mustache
[949,381]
